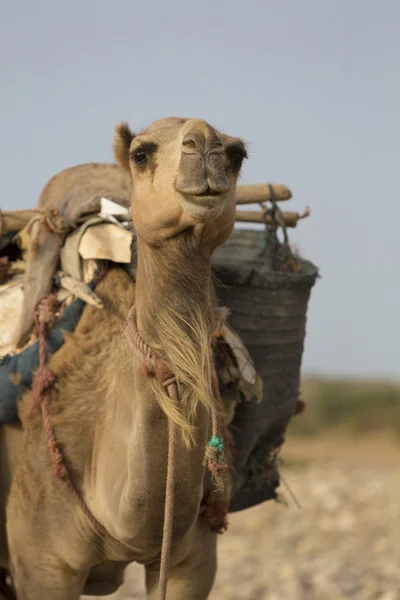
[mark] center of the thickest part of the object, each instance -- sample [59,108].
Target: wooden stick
[12,221]
[261,192]
[15,220]
[254,216]
[79,289]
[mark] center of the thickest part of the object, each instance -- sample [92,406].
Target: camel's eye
[139,157]
[143,153]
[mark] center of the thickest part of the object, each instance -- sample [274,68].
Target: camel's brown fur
[110,419]
[122,143]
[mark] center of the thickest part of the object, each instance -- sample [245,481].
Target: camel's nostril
[189,143]
[193,143]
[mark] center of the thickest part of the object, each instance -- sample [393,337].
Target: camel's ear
[122,142]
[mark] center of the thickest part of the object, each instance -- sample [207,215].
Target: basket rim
[233,272]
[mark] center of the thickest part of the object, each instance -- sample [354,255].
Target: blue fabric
[16,372]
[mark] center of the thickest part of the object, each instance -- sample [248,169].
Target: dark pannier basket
[267,289]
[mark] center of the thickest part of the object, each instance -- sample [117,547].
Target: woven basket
[269,311]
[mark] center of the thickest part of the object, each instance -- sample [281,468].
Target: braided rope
[168,506]
[43,395]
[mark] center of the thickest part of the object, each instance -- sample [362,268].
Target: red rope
[43,395]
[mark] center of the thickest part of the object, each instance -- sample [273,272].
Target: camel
[113,413]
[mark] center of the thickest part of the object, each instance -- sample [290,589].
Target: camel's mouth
[205,206]
[208,199]
[209,193]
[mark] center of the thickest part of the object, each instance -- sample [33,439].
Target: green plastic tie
[216,442]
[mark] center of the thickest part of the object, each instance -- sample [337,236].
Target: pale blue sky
[313,86]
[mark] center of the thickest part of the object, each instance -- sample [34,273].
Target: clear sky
[312,85]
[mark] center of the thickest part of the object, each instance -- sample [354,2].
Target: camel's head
[184,175]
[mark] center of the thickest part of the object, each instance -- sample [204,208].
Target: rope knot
[43,383]
[54,222]
[47,310]
[45,380]
[217,469]
[148,369]
[216,462]
[46,220]
[59,468]
[154,367]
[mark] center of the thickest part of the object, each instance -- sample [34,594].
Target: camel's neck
[174,308]
[173,283]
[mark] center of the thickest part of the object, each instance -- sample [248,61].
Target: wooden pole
[261,192]
[254,216]
[13,221]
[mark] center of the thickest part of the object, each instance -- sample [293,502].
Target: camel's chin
[204,208]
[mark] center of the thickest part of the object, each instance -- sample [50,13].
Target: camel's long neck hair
[176,313]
